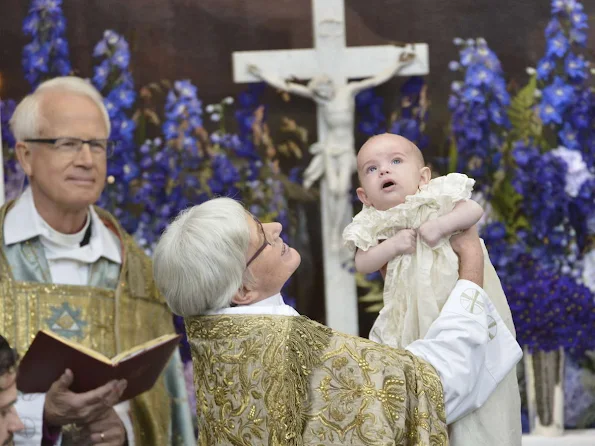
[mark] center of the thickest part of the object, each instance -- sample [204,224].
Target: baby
[401,201]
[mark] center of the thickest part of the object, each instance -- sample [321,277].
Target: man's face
[390,168]
[65,179]
[9,420]
[277,261]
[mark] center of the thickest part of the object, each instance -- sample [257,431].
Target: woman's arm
[376,257]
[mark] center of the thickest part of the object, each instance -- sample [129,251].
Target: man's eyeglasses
[74,145]
[264,244]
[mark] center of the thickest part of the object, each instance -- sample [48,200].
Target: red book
[50,354]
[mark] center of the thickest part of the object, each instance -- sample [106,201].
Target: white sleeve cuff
[30,409]
[123,411]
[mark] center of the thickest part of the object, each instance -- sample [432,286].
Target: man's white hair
[27,118]
[200,260]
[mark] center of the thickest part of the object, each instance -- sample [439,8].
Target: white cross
[331,57]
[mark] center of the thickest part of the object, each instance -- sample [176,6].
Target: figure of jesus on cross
[329,66]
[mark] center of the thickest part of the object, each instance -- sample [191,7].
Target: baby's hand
[431,232]
[404,241]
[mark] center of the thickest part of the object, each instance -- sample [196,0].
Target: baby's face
[390,168]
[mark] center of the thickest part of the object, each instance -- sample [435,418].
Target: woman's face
[275,264]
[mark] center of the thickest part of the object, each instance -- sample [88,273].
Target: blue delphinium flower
[567,106]
[505,251]
[369,106]
[557,45]
[582,213]
[6,110]
[47,55]
[553,309]
[183,119]
[114,81]
[14,177]
[408,121]
[576,67]
[558,94]
[225,175]
[116,84]
[479,115]
[564,77]
[550,309]
[541,180]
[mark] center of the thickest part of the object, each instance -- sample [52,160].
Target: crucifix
[329,66]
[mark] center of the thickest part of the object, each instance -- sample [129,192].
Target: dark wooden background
[194,39]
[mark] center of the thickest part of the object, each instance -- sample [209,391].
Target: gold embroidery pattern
[34,304]
[251,378]
[276,380]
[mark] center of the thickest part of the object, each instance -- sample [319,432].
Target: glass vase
[544,372]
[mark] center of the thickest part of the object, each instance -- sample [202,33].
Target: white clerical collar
[271,305]
[64,241]
[277,299]
[23,222]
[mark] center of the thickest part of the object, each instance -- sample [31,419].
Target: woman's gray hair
[200,260]
[26,120]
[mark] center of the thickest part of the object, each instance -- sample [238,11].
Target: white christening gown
[416,287]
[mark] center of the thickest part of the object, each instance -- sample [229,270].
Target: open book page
[75,345]
[138,349]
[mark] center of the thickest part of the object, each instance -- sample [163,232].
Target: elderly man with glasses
[264,375]
[69,267]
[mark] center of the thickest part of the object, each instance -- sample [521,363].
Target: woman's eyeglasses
[263,246]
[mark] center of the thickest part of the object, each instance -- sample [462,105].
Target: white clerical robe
[69,265]
[468,344]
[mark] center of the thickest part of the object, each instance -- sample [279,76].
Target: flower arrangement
[478,105]
[47,54]
[532,157]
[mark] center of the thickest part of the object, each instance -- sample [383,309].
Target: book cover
[49,355]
